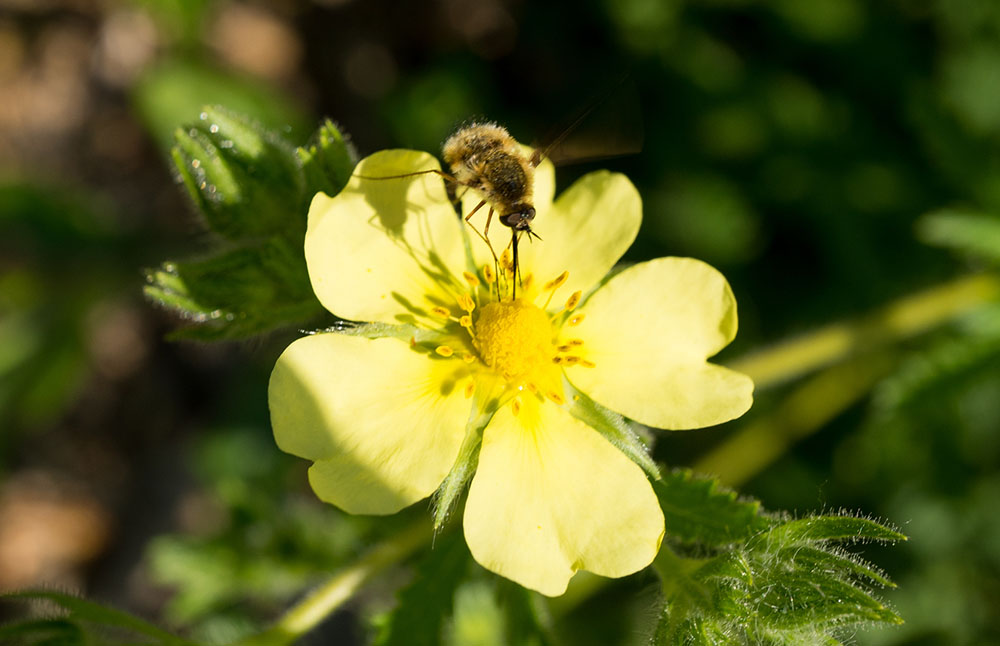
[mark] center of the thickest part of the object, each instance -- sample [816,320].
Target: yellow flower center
[515,339]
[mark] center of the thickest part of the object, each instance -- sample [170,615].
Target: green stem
[905,318]
[318,605]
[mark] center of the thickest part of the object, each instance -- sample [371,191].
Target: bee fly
[484,157]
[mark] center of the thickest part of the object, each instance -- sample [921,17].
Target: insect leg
[413,174]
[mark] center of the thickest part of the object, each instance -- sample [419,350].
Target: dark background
[794,145]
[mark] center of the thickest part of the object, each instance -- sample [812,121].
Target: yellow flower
[384,412]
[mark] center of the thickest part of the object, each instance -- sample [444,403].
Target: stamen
[573,301]
[466,322]
[466,303]
[469,389]
[489,275]
[552,286]
[576,342]
[444,351]
[571,360]
[468,357]
[515,406]
[587,364]
[557,360]
[442,312]
[576,319]
[556,397]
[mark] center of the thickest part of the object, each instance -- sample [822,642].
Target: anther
[471,279]
[466,303]
[466,322]
[576,319]
[469,389]
[515,406]
[489,274]
[573,301]
[506,261]
[557,282]
[444,351]
[441,311]
[468,357]
[587,364]
[571,360]
[556,397]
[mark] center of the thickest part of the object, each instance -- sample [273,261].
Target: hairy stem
[319,604]
[900,320]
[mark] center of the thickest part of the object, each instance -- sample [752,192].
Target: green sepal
[245,180]
[697,509]
[238,293]
[83,622]
[447,496]
[614,428]
[328,161]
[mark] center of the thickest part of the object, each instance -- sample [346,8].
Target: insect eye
[528,213]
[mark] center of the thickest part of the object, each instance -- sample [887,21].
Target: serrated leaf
[89,617]
[976,234]
[245,180]
[424,604]
[830,528]
[698,510]
[791,599]
[328,162]
[238,293]
[813,559]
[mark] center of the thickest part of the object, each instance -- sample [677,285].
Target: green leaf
[793,599]
[329,162]
[973,233]
[245,180]
[829,528]
[699,510]
[106,625]
[42,632]
[419,618]
[238,293]
[789,582]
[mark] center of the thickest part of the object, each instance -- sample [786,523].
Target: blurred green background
[794,145]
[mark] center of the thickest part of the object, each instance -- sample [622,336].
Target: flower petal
[383,422]
[551,496]
[648,331]
[385,249]
[586,231]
